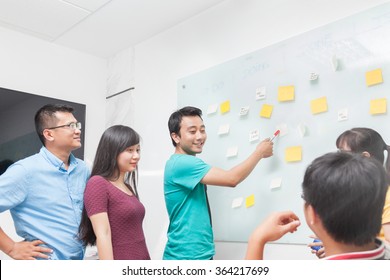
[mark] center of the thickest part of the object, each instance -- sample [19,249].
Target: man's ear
[48,134]
[175,137]
[311,215]
[366,154]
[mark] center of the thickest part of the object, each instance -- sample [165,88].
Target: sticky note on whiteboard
[224,129]
[250,201]
[237,202]
[260,93]
[283,128]
[232,152]
[342,115]
[374,77]
[254,135]
[319,105]
[378,106]
[286,93]
[244,111]
[293,154]
[225,107]
[266,111]
[276,183]
[212,109]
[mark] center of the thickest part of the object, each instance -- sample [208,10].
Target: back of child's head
[347,191]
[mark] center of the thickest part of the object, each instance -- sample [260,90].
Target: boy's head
[346,191]
[188,133]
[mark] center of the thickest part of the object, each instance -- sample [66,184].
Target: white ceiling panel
[90,5]
[49,18]
[98,27]
[123,23]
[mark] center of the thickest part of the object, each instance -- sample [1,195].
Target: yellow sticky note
[293,153]
[225,107]
[250,201]
[286,93]
[266,111]
[378,106]
[374,77]
[319,105]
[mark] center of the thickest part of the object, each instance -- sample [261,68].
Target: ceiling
[98,27]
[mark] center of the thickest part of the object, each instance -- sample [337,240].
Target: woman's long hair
[114,141]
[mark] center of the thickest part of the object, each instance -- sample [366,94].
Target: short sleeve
[189,171]
[13,187]
[96,196]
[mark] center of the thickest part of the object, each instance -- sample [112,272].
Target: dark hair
[174,122]
[361,139]
[114,141]
[347,191]
[46,117]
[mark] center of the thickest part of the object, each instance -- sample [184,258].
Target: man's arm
[272,228]
[23,250]
[230,178]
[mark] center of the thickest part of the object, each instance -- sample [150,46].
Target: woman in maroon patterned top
[113,215]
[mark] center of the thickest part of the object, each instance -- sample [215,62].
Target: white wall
[35,66]
[229,30]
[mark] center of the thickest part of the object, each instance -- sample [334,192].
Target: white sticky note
[313,76]
[224,129]
[335,63]
[342,115]
[212,109]
[244,111]
[254,135]
[283,128]
[260,93]
[237,202]
[302,129]
[276,183]
[232,152]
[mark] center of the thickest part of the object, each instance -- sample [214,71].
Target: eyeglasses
[72,125]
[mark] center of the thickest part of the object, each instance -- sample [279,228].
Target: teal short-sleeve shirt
[190,235]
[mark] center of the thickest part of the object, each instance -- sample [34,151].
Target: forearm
[255,250]
[104,247]
[242,170]
[6,243]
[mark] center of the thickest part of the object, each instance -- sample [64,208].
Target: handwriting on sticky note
[319,105]
[342,115]
[250,201]
[260,93]
[374,77]
[266,111]
[378,106]
[254,135]
[293,154]
[244,111]
[225,107]
[286,93]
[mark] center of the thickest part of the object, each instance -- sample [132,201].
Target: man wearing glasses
[44,192]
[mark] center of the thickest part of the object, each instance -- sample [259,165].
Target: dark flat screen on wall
[18,138]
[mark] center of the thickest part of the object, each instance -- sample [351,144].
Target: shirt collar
[56,162]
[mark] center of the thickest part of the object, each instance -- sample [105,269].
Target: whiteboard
[349,56]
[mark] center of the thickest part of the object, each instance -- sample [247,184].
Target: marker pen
[275,134]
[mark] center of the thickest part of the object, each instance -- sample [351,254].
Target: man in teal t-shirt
[190,236]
